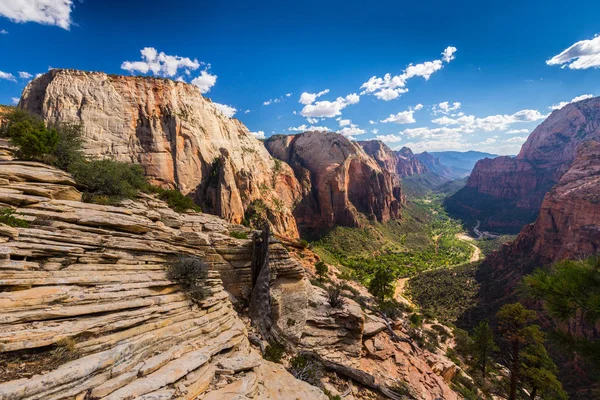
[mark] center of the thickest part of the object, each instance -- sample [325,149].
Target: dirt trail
[399,292]
[476,256]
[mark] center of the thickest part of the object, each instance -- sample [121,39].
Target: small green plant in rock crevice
[238,235]
[176,200]
[274,352]
[190,273]
[7,216]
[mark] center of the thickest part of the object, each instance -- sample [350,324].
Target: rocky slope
[506,193]
[87,310]
[409,164]
[401,163]
[340,183]
[180,138]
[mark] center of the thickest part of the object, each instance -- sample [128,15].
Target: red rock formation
[506,193]
[400,163]
[340,183]
[408,163]
[180,138]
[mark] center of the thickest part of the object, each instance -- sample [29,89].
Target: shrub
[383,284]
[113,179]
[416,319]
[322,269]
[7,216]
[334,296]
[393,309]
[29,133]
[238,234]
[274,352]
[306,369]
[68,151]
[190,272]
[177,200]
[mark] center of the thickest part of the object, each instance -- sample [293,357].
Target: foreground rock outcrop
[506,193]
[341,184]
[180,138]
[87,310]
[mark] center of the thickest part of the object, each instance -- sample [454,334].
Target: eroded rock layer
[340,182]
[180,138]
[87,310]
[506,193]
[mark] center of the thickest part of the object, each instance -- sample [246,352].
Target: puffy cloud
[418,107]
[581,55]
[259,134]
[38,75]
[448,53]
[25,75]
[205,81]
[344,122]
[492,122]
[226,110]
[573,100]
[351,131]
[375,131]
[47,12]
[389,138]
[403,117]
[372,122]
[390,87]
[309,98]
[516,131]
[15,100]
[445,107]
[3,32]
[304,128]
[390,94]
[7,76]
[162,64]
[329,109]
[288,94]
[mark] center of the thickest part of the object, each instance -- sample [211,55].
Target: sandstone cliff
[180,138]
[506,193]
[401,163]
[409,164]
[340,183]
[87,310]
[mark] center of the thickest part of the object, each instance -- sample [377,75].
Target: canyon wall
[506,193]
[341,184]
[180,138]
[400,163]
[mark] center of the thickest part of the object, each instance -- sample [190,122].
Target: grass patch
[238,235]
[7,216]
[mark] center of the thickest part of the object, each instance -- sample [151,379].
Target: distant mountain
[460,163]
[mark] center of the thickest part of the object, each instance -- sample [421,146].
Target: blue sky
[462,75]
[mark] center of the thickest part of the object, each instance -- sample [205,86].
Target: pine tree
[483,347]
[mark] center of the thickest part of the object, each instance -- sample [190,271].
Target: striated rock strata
[87,310]
[340,182]
[180,138]
[401,163]
[506,193]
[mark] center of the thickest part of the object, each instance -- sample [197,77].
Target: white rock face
[175,134]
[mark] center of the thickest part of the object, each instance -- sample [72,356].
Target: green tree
[524,352]
[68,151]
[483,347]
[382,285]
[29,133]
[570,291]
[322,269]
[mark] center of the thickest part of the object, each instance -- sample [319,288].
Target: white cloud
[205,81]
[309,98]
[15,100]
[25,75]
[351,131]
[516,139]
[288,94]
[403,117]
[516,131]
[47,12]
[247,112]
[7,76]
[3,32]
[372,122]
[162,64]
[38,75]
[492,122]
[259,134]
[344,122]
[312,120]
[445,107]
[329,109]
[418,107]
[448,53]
[390,87]
[581,55]
[304,128]
[574,100]
[375,131]
[226,110]
[390,94]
